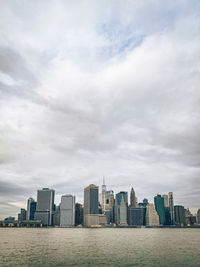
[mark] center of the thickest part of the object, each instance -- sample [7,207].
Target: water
[99,247]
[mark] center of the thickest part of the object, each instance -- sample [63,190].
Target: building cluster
[111,210]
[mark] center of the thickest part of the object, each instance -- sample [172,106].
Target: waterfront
[99,247]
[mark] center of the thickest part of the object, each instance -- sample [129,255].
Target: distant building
[198,216]
[133,200]
[67,211]
[103,195]
[31,208]
[111,204]
[135,216]
[23,215]
[179,215]
[121,205]
[189,218]
[160,208]
[167,216]
[152,218]
[9,219]
[19,216]
[78,214]
[57,216]
[171,207]
[166,201]
[91,204]
[45,206]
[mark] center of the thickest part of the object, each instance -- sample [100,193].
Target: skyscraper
[67,211]
[45,206]
[91,205]
[166,200]
[135,216]
[31,207]
[160,208]
[179,215]
[133,200]
[152,218]
[78,214]
[23,215]
[103,195]
[57,216]
[121,205]
[171,207]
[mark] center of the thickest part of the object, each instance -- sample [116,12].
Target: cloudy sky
[99,88]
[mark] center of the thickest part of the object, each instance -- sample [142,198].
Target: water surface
[99,247]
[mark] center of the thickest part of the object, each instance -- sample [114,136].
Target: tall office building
[111,204]
[23,215]
[67,211]
[152,218]
[160,208]
[57,216]
[45,206]
[133,200]
[171,207]
[135,216]
[179,215]
[91,205]
[121,205]
[31,208]
[103,195]
[78,214]
[166,201]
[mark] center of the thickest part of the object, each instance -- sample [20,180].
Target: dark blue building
[135,216]
[160,208]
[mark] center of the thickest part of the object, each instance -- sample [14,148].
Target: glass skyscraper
[160,208]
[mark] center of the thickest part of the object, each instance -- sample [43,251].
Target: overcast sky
[99,88]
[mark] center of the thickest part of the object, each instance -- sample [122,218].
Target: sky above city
[99,88]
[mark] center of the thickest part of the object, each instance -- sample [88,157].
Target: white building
[152,218]
[67,211]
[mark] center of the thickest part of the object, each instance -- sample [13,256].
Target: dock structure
[26,223]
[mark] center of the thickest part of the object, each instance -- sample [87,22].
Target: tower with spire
[133,200]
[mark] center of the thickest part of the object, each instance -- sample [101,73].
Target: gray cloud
[116,95]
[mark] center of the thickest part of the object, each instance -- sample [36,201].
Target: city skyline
[99,88]
[130,198]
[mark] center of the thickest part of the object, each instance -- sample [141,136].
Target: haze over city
[99,88]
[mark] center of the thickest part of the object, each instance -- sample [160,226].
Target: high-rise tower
[121,205]
[103,195]
[31,207]
[91,205]
[133,200]
[67,211]
[160,208]
[45,206]
[171,207]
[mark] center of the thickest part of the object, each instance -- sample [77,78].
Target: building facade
[78,214]
[136,216]
[133,200]
[91,203]
[121,205]
[31,208]
[171,207]
[179,215]
[45,206]
[166,201]
[160,208]
[67,211]
[152,218]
